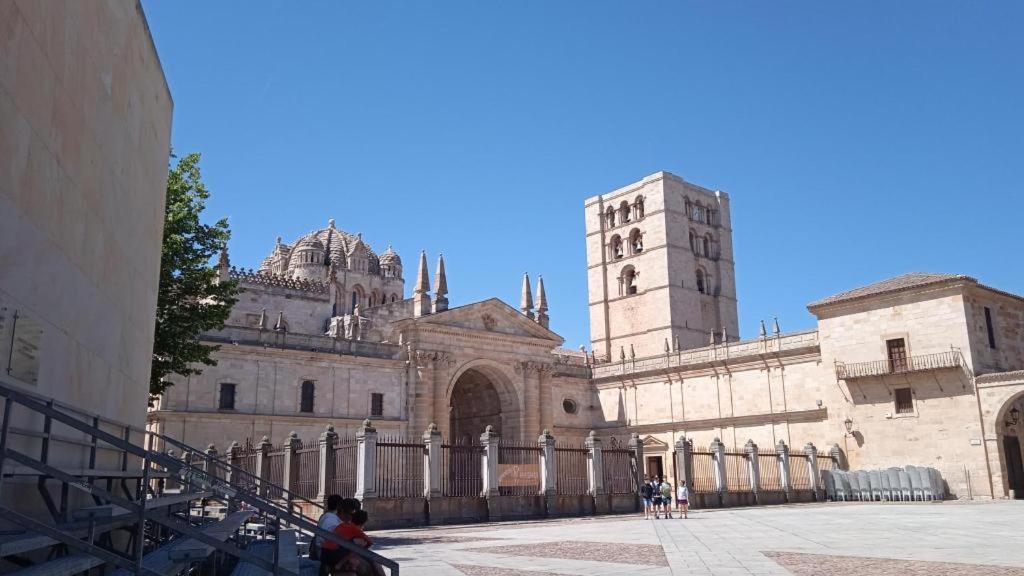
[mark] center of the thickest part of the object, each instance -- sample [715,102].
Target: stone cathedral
[924,368]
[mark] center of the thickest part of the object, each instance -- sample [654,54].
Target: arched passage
[475,404]
[1009,428]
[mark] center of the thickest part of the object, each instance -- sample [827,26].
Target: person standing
[647,493]
[666,497]
[683,498]
[656,500]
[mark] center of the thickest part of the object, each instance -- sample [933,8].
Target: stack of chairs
[907,484]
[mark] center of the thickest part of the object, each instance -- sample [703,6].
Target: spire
[632,353]
[223,265]
[526,302]
[542,303]
[280,327]
[725,336]
[667,347]
[263,318]
[775,327]
[440,286]
[421,297]
[764,332]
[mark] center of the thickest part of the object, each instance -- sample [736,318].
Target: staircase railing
[152,460]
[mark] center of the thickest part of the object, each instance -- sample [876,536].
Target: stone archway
[480,396]
[1009,427]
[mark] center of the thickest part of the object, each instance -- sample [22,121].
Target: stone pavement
[962,538]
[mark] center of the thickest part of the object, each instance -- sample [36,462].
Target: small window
[308,394]
[629,281]
[904,401]
[569,406]
[610,217]
[701,286]
[376,404]
[616,247]
[989,327]
[226,401]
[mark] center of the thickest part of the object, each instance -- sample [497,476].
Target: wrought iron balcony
[909,364]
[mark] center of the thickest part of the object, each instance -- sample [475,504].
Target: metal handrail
[170,464]
[918,363]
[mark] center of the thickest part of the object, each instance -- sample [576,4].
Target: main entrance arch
[481,396]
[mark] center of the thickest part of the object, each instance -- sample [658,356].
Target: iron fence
[919,363]
[399,467]
[462,469]
[737,472]
[618,470]
[307,483]
[518,468]
[273,472]
[571,464]
[343,480]
[245,459]
[768,469]
[703,472]
[800,472]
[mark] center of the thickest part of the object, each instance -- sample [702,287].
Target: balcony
[910,364]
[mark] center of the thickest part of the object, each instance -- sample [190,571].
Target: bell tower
[660,268]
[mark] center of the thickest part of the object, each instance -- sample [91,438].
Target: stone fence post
[753,467]
[812,462]
[209,467]
[489,440]
[547,463]
[595,468]
[328,438]
[262,449]
[290,475]
[638,458]
[684,462]
[366,462]
[836,453]
[721,480]
[232,455]
[432,459]
[784,478]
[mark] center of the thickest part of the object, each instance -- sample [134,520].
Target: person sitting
[352,530]
[326,551]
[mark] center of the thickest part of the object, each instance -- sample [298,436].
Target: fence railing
[737,472]
[618,471]
[274,472]
[800,472]
[461,469]
[307,457]
[901,365]
[399,471]
[571,465]
[704,472]
[343,480]
[518,468]
[769,477]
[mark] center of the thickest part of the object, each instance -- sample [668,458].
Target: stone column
[209,465]
[784,478]
[721,480]
[753,467]
[812,461]
[326,443]
[684,461]
[545,401]
[432,461]
[530,415]
[489,440]
[547,463]
[290,476]
[837,455]
[366,462]
[638,457]
[262,449]
[232,455]
[595,468]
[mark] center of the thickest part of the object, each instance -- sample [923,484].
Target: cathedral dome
[390,257]
[335,246]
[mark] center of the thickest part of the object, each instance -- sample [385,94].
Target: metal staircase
[141,516]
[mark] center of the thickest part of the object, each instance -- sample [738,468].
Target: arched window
[628,280]
[394,297]
[638,207]
[307,396]
[609,217]
[688,207]
[709,246]
[706,245]
[624,211]
[355,300]
[636,241]
[701,282]
[616,247]
[697,213]
[693,242]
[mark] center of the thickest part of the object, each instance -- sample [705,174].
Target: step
[170,559]
[29,541]
[288,557]
[63,566]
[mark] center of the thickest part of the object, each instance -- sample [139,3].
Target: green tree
[191,299]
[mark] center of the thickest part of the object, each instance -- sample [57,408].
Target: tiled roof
[904,282]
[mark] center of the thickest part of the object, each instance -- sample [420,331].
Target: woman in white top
[683,498]
[328,521]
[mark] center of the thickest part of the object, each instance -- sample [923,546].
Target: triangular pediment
[651,443]
[490,316]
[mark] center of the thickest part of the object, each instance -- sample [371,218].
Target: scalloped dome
[390,257]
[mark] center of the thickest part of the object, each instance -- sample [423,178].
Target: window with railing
[896,349]
[376,404]
[904,398]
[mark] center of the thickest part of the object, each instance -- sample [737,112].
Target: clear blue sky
[858,140]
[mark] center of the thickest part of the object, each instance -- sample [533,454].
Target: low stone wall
[801,496]
[771,497]
[623,503]
[731,499]
[457,510]
[395,512]
[516,507]
[580,505]
[705,500]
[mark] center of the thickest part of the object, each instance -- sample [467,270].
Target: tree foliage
[191,300]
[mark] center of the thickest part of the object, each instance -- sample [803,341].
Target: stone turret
[440,286]
[542,303]
[421,295]
[526,302]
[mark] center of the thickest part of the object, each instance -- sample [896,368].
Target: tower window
[990,328]
[638,207]
[904,400]
[376,404]
[629,281]
[226,399]
[624,211]
[701,282]
[616,247]
[307,396]
[636,241]
[609,216]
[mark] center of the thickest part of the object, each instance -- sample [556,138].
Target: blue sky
[858,140]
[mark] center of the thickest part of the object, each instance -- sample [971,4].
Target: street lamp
[849,426]
[1013,417]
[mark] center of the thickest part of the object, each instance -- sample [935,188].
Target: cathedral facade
[923,369]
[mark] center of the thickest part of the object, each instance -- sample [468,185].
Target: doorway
[654,467]
[1014,467]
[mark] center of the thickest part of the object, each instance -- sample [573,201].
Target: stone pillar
[262,449]
[326,443]
[290,477]
[489,440]
[838,457]
[784,477]
[233,455]
[638,457]
[812,461]
[432,461]
[547,463]
[366,462]
[721,480]
[209,466]
[684,461]
[753,467]
[595,464]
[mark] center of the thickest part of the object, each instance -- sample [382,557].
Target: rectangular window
[227,397]
[897,351]
[991,330]
[376,404]
[306,401]
[904,401]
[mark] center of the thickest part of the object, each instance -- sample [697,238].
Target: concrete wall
[86,117]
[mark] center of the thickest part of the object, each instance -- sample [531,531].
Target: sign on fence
[518,474]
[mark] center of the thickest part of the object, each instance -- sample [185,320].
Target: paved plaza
[854,538]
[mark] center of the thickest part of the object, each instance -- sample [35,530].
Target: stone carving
[438,359]
[490,323]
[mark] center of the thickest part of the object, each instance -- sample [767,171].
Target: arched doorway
[1010,427]
[475,404]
